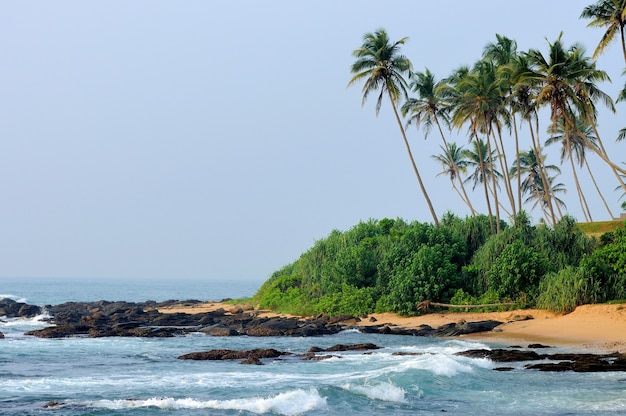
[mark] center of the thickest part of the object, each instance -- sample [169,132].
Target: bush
[563,291]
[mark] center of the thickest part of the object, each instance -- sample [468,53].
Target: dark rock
[1,335]
[373,319]
[52,404]
[219,331]
[503,369]
[555,362]
[62,331]
[233,354]
[13,309]
[408,354]
[273,327]
[344,318]
[252,360]
[311,356]
[501,356]
[538,346]
[353,347]
[464,328]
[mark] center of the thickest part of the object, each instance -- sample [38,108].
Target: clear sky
[217,139]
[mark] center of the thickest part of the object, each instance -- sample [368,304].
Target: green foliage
[516,270]
[391,266]
[562,291]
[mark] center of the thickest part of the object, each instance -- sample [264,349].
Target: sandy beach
[590,327]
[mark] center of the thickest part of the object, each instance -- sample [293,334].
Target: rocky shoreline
[144,319]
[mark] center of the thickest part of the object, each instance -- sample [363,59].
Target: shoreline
[597,327]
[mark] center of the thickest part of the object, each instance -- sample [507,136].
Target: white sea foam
[289,403]
[380,391]
[438,364]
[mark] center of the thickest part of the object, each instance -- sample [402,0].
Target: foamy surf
[387,392]
[293,402]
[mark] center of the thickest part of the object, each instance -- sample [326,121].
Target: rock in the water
[233,354]
[554,362]
[13,309]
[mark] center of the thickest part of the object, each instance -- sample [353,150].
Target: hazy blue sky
[218,140]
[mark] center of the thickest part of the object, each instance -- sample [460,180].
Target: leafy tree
[454,163]
[609,14]
[573,146]
[381,65]
[426,110]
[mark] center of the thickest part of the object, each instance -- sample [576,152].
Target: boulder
[233,354]
[13,309]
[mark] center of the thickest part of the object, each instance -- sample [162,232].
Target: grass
[596,229]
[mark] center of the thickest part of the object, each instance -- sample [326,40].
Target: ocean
[142,376]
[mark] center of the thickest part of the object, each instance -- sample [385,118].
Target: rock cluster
[143,319]
[552,362]
[256,355]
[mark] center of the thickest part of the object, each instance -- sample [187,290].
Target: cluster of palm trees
[502,96]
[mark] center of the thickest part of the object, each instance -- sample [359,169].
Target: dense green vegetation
[506,101]
[391,266]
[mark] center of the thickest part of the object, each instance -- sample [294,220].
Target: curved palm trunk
[519,177]
[613,166]
[581,197]
[593,179]
[544,180]
[504,165]
[621,30]
[417,174]
[481,166]
[493,182]
[465,197]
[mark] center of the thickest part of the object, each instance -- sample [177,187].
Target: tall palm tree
[609,14]
[540,197]
[454,163]
[503,53]
[567,83]
[530,168]
[381,65]
[476,99]
[426,110]
[480,159]
[573,146]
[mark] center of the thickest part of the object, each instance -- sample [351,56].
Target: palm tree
[541,197]
[609,14]
[481,159]
[503,53]
[454,163]
[566,83]
[426,110]
[381,65]
[573,146]
[476,99]
[530,167]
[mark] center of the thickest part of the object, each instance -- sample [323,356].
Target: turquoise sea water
[135,376]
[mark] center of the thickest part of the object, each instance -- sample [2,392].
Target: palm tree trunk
[581,196]
[593,179]
[493,182]
[519,177]
[481,166]
[504,165]
[417,174]
[621,30]
[546,183]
